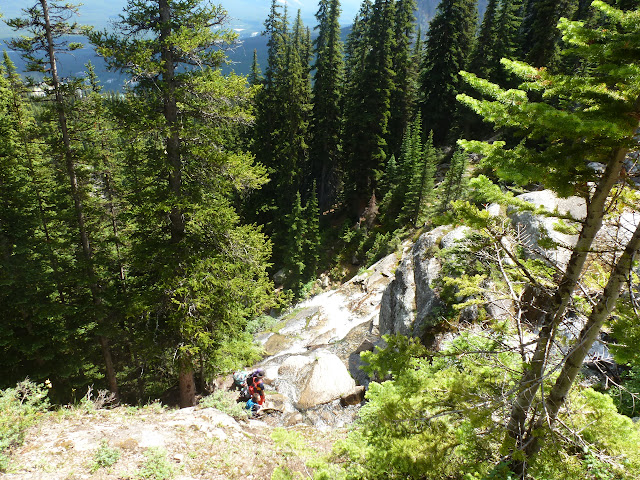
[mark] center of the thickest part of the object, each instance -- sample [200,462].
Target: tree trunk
[108,360]
[186,380]
[172,141]
[75,191]
[187,384]
[588,336]
[523,411]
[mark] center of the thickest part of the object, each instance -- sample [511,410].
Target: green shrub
[20,407]
[445,413]
[226,403]
[156,465]
[261,324]
[104,457]
[283,473]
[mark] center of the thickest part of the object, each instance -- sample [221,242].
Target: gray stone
[366,346]
[494,209]
[328,380]
[280,276]
[409,299]
[454,236]
[292,419]
[397,309]
[597,167]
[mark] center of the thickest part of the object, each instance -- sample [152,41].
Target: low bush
[445,413]
[20,408]
[156,465]
[226,403]
[104,457]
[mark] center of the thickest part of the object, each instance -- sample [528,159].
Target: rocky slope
[313,376]
[187,444]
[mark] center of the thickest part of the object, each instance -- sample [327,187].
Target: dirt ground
[193,443]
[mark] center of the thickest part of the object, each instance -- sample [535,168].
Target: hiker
[240,379]
[256,384]
[253,404]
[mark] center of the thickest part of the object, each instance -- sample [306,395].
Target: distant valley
[240,55]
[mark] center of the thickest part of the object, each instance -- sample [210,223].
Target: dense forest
[145,236]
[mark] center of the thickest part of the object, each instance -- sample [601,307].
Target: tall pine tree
[539,34]
[367,109]
[403,91]
[449,41]
[507,37]
[50,30]
[483,61]
[326,125]
[195,269]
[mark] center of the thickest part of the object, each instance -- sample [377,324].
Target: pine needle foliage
[195,267]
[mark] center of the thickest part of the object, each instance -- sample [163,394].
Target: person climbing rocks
[253,404]
[255,384]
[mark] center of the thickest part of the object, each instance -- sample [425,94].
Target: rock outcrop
[313,357]
[409,299]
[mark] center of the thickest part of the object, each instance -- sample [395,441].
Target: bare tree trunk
[75,193]
[523,411]
[588,336]
[187,383]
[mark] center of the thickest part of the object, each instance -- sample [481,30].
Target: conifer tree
[356,46]
[325,149]
[421,190]
[539,36]
[195,268]
[312,234]
[297,106]
[270,119]
[48,24]
[295,253]
[409,180]
[591,117]
[453,186]
[37,331]
[367,110]
[508,26]
[403,93]
[449,41]
[255,77]
[483,61]
[282,123]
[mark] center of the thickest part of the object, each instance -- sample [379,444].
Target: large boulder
[328,380]
[307,380]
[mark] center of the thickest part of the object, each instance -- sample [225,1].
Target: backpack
[240,378]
